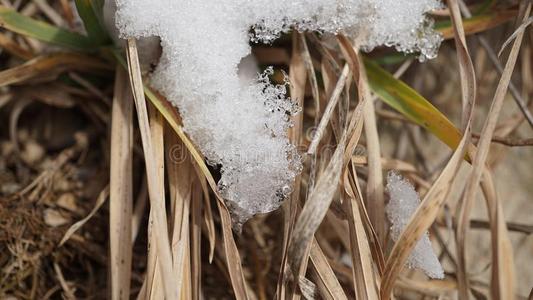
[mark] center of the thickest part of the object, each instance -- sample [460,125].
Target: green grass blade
[411,104]
[90,12]
[18,23]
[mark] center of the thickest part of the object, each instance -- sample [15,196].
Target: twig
[517,227]
[483,224]
[511,142]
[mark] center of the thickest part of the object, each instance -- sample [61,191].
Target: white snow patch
[239,124]
[403,203]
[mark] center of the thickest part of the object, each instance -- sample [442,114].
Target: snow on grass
[403,203]
[240,125]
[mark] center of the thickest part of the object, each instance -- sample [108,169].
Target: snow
[148,47]
[403,203]
[398,23]
[240,125]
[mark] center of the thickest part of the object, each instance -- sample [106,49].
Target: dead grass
[99,199]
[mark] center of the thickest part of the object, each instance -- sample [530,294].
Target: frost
[403,203]
[237,122]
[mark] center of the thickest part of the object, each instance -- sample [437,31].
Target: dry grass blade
[313,82]
[233,260]
[76,226]
[329,286]
[156,198]
[434,199]
[520,29]
[355,128]
[5,99]
[19,107]
[374,187]
[366,281]
[329,79]
[13,48]
[153,280]
[308,289]
[311,216]
[67,11]
[466,68]
[502,289]
[52,94]
[311,74]
[180,177]
[481,23]
[297,78]
[503,273]
[49,12]
[375,246]
[121,190]
[364,277]
[335,96]
[152,287]
[387,163]
[359,76]
[89,87]
[354,131]
[208,219]
[432,288]
[49,66]
[67,290]
[196,243]
[231,252]
[428,210]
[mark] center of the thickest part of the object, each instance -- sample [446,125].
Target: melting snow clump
[403,203]
[240,125]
